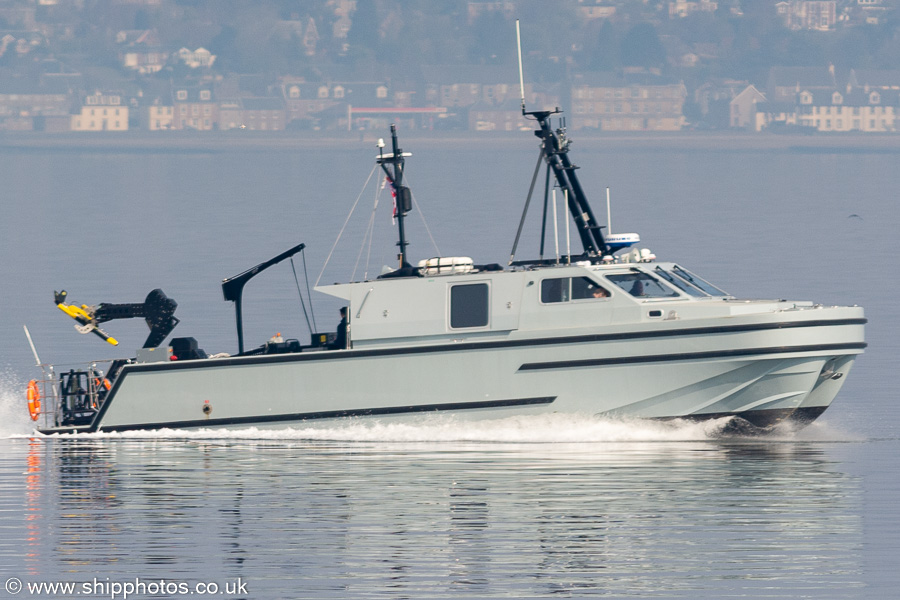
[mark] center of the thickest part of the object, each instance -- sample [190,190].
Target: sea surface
[551,506]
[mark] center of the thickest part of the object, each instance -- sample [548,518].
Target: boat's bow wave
[529,429]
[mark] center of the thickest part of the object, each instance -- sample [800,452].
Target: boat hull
[763,368]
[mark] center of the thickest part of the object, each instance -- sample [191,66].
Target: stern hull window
[469,305]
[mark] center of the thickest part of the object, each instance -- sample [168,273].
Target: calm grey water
[515,508]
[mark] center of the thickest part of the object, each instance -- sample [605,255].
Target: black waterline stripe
[330,414]
[489,345]
[653,358]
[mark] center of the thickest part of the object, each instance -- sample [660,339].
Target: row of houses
[808,98]
[827,15]
[814,15]
[811,99]
[632,102]
[480,99]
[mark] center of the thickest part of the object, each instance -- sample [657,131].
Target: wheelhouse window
[680,283]
[642,285]
[698,282]
[555,290]
[563,289]
[469,305]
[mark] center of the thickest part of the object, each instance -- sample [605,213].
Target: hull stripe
[655,358]
[331,414]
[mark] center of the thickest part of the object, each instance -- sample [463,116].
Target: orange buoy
[104,383]
[34,399]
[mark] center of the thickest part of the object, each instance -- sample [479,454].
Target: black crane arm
[157,310]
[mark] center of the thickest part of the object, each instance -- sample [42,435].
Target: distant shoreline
[242,141]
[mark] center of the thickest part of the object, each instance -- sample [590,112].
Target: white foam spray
[14,419]
[533,429]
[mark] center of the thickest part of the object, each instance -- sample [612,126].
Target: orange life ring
[98,383]
[34,399]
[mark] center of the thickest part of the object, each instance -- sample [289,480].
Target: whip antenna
[521,78]
[37,359]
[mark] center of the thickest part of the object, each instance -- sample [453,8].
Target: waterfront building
[101,112]
[635,102]
[194,108]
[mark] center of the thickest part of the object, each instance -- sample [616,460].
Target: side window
[555,290]
[584,288]
[564,289]
[469,305]
[641,285]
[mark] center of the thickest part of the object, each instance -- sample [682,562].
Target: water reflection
[33,516]
[468,539]
[345,518]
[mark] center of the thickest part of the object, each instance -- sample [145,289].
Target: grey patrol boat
[596,333]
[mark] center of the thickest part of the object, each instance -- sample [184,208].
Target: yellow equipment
[157,310]
[84,315]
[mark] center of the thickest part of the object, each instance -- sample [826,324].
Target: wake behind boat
[608,331]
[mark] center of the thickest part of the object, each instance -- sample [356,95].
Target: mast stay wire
[368,237]
[422,216]
[300,293]
[370,230]
[344,226]
[308,295]
[537,169]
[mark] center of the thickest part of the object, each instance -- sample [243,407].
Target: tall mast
[555,147]
[401,193]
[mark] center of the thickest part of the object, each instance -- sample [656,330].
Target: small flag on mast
[387,181]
